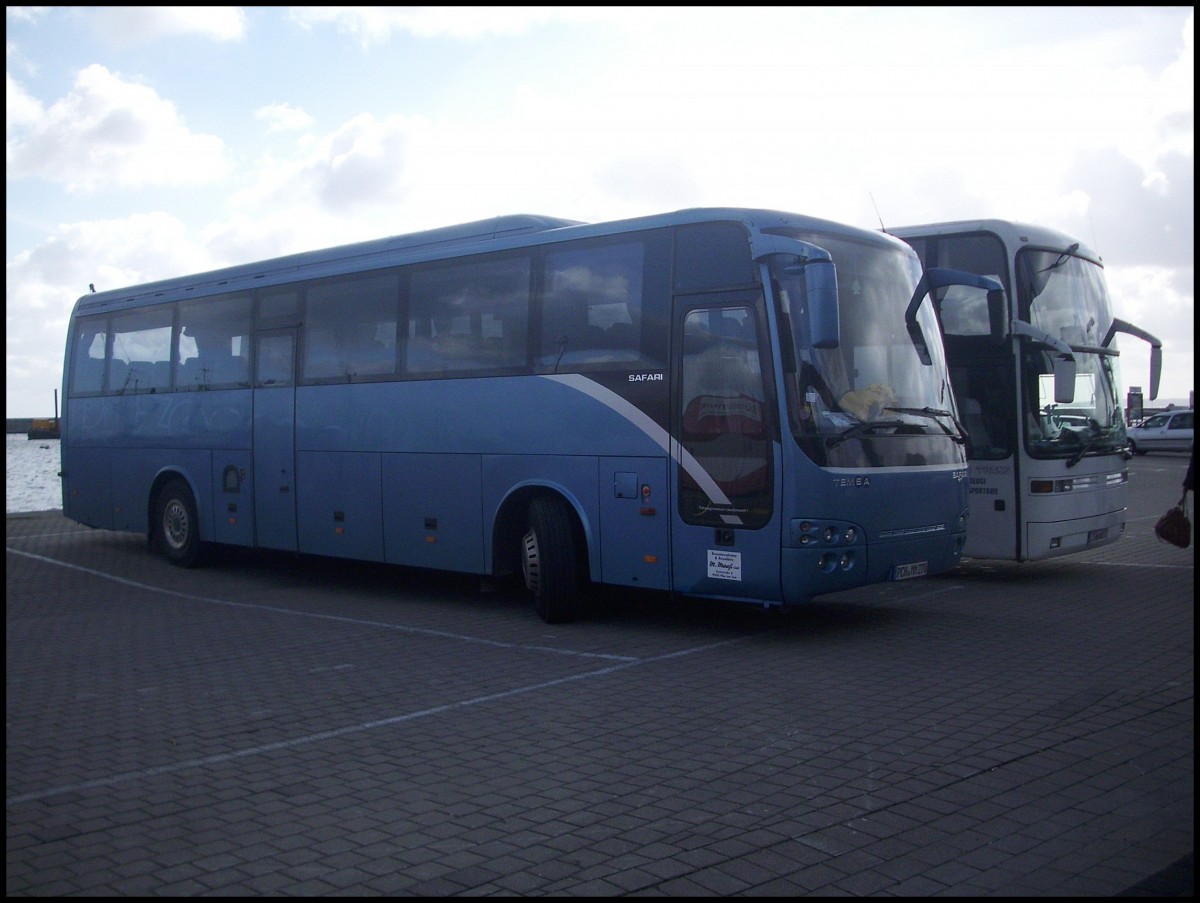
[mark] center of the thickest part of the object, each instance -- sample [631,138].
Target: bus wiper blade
[1063,257]
[859,429]
[1083,450]
[1088,445]
[934,414]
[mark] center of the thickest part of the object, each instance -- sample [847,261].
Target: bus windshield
[869,402]
[1066,297]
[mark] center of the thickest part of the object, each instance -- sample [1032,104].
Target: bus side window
[213,343]
[350,327]
[87,373]
[141,342]
[118,371]
[439,340]
[592,308]
[724,415]
[228,370]
[418,353]
[467,317]
[321,360]
[140,377]
[274,360]
[372,355]
[723,388]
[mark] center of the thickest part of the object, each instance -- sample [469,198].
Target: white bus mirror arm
[1020,327]
[1123,326]
[1155,349]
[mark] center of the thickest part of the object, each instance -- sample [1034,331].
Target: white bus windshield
[1066,297]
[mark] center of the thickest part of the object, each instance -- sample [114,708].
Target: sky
[151,142]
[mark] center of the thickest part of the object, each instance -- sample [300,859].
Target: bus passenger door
[275,439]
[726,535]
[985,389]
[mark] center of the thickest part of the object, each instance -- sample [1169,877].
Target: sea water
[33,483]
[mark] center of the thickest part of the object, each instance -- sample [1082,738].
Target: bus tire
[175,525]
[548,561]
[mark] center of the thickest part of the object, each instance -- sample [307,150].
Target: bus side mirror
[997,304]
[1155,349]
[1064,379]
[820,278]
[940,277]
[821,300]
[1063,361]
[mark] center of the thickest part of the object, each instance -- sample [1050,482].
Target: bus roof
[1014,234]
[497,233]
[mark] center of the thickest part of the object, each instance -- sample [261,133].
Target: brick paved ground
[272,725]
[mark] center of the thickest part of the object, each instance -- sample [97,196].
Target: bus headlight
[1045,487]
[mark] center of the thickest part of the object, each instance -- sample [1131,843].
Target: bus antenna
[882,227]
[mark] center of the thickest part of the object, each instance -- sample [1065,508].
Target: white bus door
[983,379]
[275,439]
[993,510]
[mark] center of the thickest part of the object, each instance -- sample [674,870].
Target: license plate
[908,571]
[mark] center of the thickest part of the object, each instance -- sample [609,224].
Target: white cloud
[333,185]
[1161,301]
[107,131]
[138,248]
[378,24]
[1132,217]
[20,108]
[125,25]
[363,162]
[283,117]
[25,13]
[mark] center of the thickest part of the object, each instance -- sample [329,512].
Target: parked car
[1168,431]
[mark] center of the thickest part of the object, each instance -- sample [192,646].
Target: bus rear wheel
[175,526]
[549,561]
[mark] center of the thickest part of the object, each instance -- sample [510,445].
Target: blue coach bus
[725,403]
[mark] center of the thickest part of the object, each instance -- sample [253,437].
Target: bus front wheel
[548,561]
[176,526]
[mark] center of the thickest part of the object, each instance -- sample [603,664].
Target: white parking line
[621,663]
[423,631]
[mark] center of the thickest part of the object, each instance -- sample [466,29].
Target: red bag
[1174,526]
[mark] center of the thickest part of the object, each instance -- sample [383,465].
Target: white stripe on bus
[661,437]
